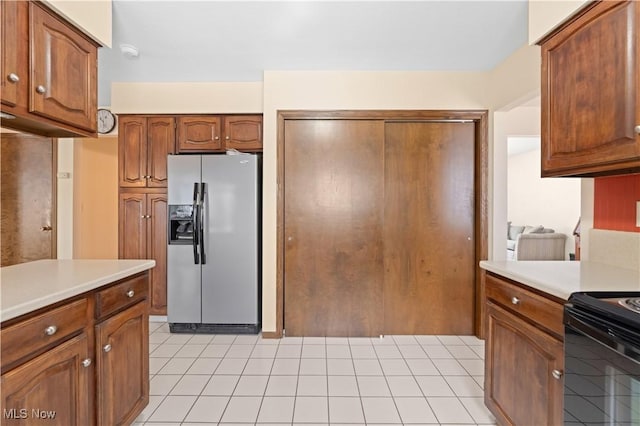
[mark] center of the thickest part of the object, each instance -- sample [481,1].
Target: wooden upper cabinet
[49,72]
[218,133]
[144,143]
[591,93]
[14,58]
[63,83]
[199,134]
[161,141]
[243,132]
[132,146]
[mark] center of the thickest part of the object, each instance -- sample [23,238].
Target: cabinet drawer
[121,295]
[38,332]
[545,312]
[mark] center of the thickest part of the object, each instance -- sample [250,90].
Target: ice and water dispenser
[181,224]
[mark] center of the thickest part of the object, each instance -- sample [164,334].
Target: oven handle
[611,337]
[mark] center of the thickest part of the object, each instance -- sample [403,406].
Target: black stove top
[623,307]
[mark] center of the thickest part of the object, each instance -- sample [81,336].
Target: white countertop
[34,285]
[561,278]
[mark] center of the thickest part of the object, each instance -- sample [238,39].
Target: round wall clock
[106,121]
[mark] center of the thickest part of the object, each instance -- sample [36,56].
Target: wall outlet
[638,214]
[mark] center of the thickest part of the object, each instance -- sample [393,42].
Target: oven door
[602,371]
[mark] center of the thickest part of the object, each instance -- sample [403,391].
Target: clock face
[106,121]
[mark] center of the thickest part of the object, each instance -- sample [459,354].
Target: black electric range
[602,359]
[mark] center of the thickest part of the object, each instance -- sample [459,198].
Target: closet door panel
[333,212]
[429,228]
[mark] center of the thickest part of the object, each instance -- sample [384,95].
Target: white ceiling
[238,40]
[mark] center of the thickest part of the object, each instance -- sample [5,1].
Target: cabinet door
[122,363]
[591,93]
[243,132]
[13,61]
[519,366]
[52,388]
[63,83]
[199,134]
[132,155]
[157,250]
[133,226]
[161,141]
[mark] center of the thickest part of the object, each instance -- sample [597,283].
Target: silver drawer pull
[13,77]
[41,89]
[637,129]
[86,362]
[130,293]
[51,330]
[557,374]
[106,348]
[515,300]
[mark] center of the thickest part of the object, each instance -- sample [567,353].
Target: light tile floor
[244,379]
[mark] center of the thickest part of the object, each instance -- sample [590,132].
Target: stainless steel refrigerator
[213,250]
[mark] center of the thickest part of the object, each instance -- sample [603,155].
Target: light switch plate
[638,214]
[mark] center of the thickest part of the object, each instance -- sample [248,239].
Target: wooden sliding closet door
[333,221]
[429,228]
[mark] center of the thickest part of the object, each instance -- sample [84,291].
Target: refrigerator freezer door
[230,276]
[183,172]
[183,286]
[183,274]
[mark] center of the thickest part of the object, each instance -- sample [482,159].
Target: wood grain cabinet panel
[56,383]
[524,357]
[591,93]
[144,143]
[63,84]
[199,134]
[520,387]
[143,235]
[14,63]
[49,72]
[122,366]
[243,132]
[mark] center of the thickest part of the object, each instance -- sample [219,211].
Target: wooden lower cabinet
[143,235]
[122,364]
[52,388]
[524,362]
[78,375]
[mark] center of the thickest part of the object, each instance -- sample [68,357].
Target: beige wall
[551,202]
[95,195]
[186,98]
[93,17]
[545,15]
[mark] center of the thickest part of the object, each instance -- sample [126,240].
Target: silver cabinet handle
[51,330]
[515,300]
[637,129]
[106,348]
[86,362]
[13,77]
[227,138]
[41,89]
[557,374]
[130,293]
[217,138]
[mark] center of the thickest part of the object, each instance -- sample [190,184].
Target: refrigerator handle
[203,193]
[194,215]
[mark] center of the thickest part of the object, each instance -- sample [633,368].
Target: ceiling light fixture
[129,51]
